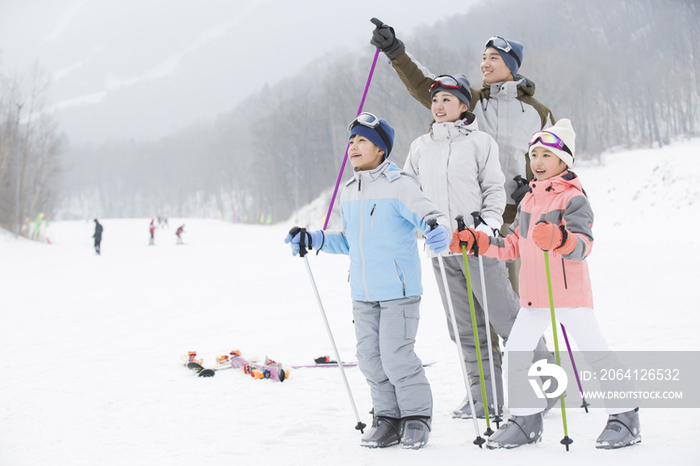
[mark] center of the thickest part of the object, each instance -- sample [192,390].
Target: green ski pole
[479,441]
[478,219]
[566,441]
[461,226]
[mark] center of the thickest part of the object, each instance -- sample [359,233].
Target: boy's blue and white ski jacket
[381,209]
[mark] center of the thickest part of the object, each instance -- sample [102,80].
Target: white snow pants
[386,335]
[581,325]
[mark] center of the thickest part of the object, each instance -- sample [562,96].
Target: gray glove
[384,38]
[521,190]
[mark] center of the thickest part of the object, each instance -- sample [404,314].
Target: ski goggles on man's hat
[500,43]
[550,140]
[370,121]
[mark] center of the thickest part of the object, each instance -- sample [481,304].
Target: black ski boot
[464,410]
[415,432]
[519,430]
[385,432]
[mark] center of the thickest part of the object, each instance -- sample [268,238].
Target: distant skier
[152,229]
[179,232]
[98,236]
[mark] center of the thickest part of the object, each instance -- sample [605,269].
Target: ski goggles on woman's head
[449,82]
[550,140]
[445,81]
[371,121]
[500,43]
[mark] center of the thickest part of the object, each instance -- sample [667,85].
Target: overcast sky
[125,69]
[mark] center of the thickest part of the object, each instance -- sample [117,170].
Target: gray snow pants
[386,335]
[503,306]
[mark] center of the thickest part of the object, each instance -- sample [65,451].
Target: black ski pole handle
[461,227]
[304,235]
[432,223]
[478,219]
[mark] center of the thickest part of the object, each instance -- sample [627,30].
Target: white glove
[491,227]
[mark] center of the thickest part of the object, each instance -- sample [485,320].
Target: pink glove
[469,237]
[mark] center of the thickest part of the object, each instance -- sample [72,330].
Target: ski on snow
[195,364]
[269,370]
[325,361]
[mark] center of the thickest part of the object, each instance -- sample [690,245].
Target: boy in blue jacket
[381,208]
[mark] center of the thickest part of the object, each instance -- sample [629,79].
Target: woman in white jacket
[459,170]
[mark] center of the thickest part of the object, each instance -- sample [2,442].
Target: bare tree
[29,151]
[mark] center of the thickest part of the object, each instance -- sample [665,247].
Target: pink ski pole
[345,159]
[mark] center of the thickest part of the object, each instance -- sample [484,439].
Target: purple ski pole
[345,159]
[585,404]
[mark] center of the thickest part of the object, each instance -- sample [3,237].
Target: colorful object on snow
[195,364]
[192,357]
[269,370]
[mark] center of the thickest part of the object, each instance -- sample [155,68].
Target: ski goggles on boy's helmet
[550,140]
[371,121]
[500,43]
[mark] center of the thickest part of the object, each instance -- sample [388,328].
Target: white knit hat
[564,131]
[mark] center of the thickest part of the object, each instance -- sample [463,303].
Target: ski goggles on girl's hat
[550,140]
[457,85]
[555,142]
[375,129]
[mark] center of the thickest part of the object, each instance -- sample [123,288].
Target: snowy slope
[91,371]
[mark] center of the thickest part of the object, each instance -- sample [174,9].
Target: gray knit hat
[457,85]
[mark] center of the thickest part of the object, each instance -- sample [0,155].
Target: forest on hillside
[626,72]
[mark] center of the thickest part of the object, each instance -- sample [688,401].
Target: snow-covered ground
[91,345]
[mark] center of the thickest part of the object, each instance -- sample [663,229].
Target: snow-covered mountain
[91,344]
[133,69]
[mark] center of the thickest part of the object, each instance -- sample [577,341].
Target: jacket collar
[450,130]
[520,87]
[556,184]
[387,169]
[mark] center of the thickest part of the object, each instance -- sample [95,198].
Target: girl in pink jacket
[557,217]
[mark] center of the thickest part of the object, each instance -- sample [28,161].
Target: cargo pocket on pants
[411,318]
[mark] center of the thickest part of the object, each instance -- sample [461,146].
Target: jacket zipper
[371,216]
[563,269]
[397,269]
[362,253]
